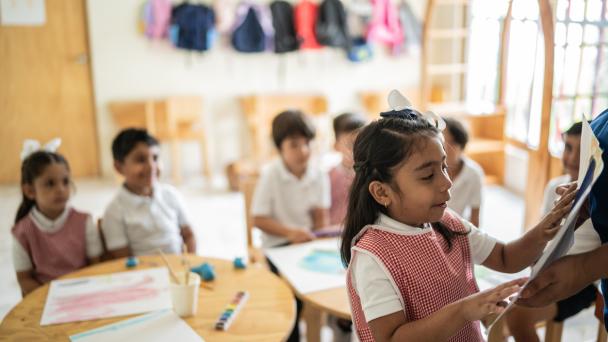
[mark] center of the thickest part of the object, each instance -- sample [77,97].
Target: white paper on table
[591,161]
[287,258]
[110,295]
[158,326]
[22,12]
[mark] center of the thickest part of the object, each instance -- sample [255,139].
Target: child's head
[45,183]
[292,132]
[400,170]
[456,139]
[135,155]
[346,127]
[572,149]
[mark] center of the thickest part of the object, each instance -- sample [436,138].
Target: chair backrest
[247,185]
[260,110]
[104,249]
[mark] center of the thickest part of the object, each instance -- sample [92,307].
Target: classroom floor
[219,222]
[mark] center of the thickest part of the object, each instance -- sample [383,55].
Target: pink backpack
[385,26]
[156,17]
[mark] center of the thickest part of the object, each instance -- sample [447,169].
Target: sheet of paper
[591,160]
[22,12]
[158,326]
[311,266]
[110,295]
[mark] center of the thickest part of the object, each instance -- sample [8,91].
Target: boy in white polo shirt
[145,215]
[466,175]
[292,198]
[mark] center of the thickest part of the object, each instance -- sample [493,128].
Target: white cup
[185,296]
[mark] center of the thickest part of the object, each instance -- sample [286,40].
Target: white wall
[127,66]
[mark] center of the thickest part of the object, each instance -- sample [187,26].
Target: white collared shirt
[289,200]
[22,260]
[145,224]
[466,189]
[374,285]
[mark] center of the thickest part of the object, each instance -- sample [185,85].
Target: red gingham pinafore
[427,275]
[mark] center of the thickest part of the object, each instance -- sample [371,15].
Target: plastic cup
[185,296]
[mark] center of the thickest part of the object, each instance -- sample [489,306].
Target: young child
[521,320]
[292,197]
[145,215]
[345,131]
[346,127]
[466,175]
[410,261]
[50,238]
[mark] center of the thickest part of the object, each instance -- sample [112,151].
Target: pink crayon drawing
[113,295]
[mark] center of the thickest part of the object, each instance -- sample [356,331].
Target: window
[483,54]
[525,62]
[580,84]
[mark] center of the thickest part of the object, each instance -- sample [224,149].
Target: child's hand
[480,305]
[300,235]
[549,225]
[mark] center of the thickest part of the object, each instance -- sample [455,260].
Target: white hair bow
[398,102]
[30,146]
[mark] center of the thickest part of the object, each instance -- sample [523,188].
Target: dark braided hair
[31,168]
[379,149]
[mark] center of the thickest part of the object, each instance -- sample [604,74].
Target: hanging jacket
[331,27]
[155,18]
[305,19]
[412,28]
[285,39]
[192,27]
[253,28]
[385,26]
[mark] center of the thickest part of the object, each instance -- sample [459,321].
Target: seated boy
[292,197]
[145,215]
[522,320]
[346,127]
[466,175]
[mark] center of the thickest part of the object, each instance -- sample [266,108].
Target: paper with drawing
[111,295]
[591,166]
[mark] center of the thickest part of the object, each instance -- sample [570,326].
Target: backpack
[412,29]
[331,27]
[385,26]
[305,19]
[285,39]
[192,27]
[253,29]
[155,18]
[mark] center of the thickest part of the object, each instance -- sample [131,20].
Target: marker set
[232,309]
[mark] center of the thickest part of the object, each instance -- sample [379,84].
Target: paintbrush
[162,255]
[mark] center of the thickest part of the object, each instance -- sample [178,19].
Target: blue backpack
[254,31]
[192,27]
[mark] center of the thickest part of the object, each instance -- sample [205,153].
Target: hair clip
[402,108]
[30,146]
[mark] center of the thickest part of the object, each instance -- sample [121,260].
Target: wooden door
[46,91]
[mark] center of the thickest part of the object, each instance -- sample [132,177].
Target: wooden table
[331,301]
[268,315]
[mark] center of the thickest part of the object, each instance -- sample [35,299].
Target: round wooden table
[268,315]
[331,301]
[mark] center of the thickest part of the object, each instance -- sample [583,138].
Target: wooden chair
[246,186]
[259,111]
[104,248]
[602,336]
[172,119]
